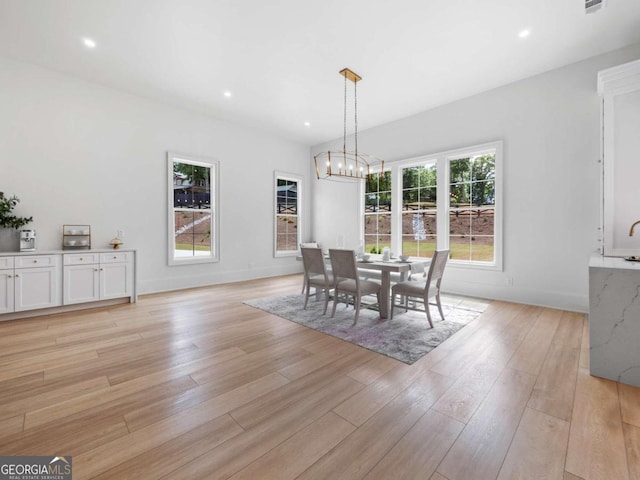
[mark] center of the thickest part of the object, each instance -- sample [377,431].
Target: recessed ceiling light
[524,33]
[307,124]
[89,43]
[227,94]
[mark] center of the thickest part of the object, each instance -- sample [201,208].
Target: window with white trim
[193,208]
[472,206]
[419,210]
[451,200]
[287,210]
[377,212]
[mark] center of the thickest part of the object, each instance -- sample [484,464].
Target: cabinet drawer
[81,258]
[6,262]
[115,257]
[29,261]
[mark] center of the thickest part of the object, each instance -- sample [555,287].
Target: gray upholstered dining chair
[346,280]
[307,245]
[422,292]
[315,274]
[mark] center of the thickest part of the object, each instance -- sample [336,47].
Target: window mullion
[442,196]
[396,209]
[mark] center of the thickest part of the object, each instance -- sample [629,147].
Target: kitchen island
[614,319]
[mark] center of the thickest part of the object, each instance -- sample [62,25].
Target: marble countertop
[598,261]
[59,252]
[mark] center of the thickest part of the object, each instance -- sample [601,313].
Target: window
[193,225]
[287,207]
[472,206]
[377,212]
[419,210]
[445,201]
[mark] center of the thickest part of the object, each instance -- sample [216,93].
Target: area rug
[406,338]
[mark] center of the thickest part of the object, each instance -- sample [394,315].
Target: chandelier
[344,164]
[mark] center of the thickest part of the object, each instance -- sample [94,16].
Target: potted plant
[10,223]
[7,219]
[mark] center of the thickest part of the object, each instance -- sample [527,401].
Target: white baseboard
[193,281]
[542,298]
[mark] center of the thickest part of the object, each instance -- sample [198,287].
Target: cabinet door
[6,291]
[116,280]
[81,284]
[36,288]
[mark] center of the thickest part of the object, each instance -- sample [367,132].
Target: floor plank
[242,450]
[466,394]
[629,401]
[632,441]
[419,452]
[555,387]
[538,448]
[533,349]
[481,447]
[596,443]
[359,452]
[294,456]
[99,459]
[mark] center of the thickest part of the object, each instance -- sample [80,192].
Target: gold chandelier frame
[347,164]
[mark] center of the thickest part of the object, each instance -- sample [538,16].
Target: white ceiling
[280,58]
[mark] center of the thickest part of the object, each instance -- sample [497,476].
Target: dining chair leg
[439,304]
[356,299]
[335,302]
[426,308]
[326,301]
[306,296]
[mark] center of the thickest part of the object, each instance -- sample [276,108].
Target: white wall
[550,128]
[77,152]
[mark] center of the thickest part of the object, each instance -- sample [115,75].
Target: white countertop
[59,252]
[598,261]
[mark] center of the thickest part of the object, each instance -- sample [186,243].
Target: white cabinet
[29,282]
[91,277]
[620,91]
[6,291]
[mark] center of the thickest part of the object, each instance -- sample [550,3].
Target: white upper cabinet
[619,88]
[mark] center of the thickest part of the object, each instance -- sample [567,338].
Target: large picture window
[472,206]
[419,210]
[450,200]
[377,212]
[192,189]
[287,209]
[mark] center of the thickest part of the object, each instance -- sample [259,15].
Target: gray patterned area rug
[406,338]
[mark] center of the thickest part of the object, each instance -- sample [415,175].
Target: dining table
[385,267]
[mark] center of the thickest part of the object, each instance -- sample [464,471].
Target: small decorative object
[27,240]
[76,237]
[116,242]
[7,220]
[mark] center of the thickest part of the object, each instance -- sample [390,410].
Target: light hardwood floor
[194,384]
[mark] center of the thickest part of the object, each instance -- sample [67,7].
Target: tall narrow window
[472,207]
[192,210]
[288,196]
[377,212]
[419,210]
